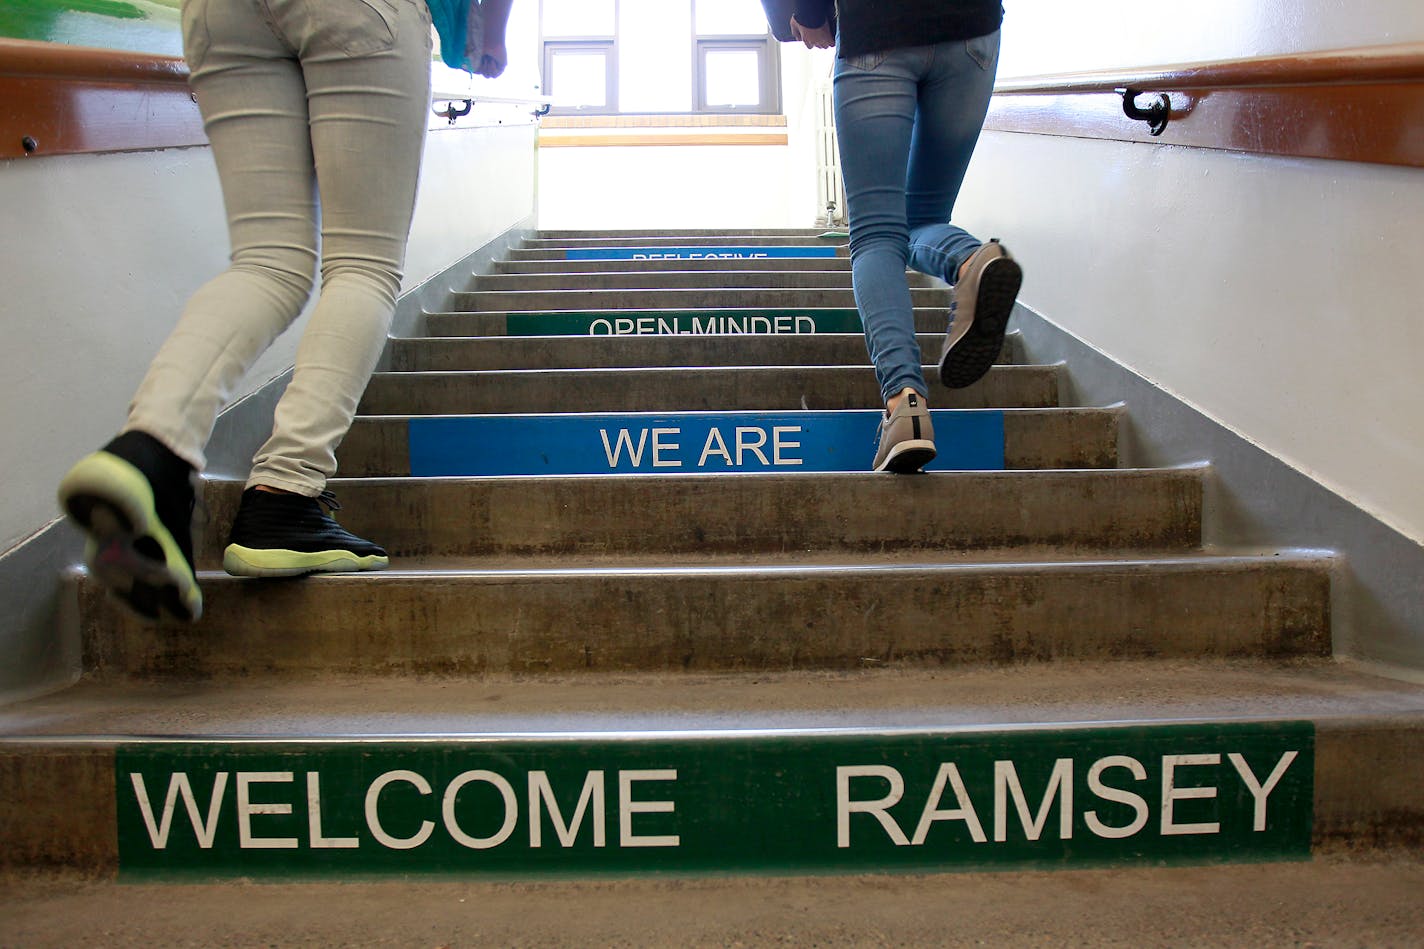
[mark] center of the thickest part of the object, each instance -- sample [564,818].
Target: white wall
[100,253]
[1279,296]
[1050,36]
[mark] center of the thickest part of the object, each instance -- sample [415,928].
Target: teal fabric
[451,19]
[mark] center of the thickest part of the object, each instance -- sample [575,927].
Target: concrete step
[1350,777]
[505,301]
[731,613]
[790,321]
[1343,896]
[684,390]
[873,695]
[781,239]
[796,250]
[635,233]
[1033,439]
[454,353]
[675,280]
[773,264]
[794,515]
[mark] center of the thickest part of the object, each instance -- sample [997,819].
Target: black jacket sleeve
[814,13]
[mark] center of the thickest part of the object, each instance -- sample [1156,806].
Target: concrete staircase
[740,652]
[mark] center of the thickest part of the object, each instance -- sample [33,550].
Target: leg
[253,101]
[954,98]
[366,70]
[875,107]
[368,116]
[135,497]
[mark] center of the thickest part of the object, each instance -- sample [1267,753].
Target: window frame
[765,45]
[570,44]
[769,73]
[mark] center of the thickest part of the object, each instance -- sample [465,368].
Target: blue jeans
[907,121]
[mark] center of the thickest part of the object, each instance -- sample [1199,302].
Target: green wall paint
[140,26]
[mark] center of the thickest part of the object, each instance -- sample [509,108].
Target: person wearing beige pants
[316,110]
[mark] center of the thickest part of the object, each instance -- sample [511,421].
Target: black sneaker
[289,535]
[979,315]
[134,499]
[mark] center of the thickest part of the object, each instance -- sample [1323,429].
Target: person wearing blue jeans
[912,86]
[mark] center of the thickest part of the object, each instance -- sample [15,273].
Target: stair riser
[584,300]
[759,264]
[785,820]
[748,514]
[633,234]
[751,242]
[567,622]
[758,323]
[685,390]
[793,250]
[1033,439]
[677,280]
[58,801]
[456,354]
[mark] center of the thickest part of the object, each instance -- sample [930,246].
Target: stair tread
[771,264]
[1019,411]
[1026,370]
[919,310]
[573,351]
[897,697]
[858,477]
[543,233]
[808,563]
[748,338]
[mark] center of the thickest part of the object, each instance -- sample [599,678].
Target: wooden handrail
[1371,64]
[1360,105]
[29,59]
[65,100]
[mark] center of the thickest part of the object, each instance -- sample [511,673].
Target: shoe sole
[243,561]
[129,551]
[908,457]
[973,354]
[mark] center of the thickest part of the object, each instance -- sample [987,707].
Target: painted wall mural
[140,26]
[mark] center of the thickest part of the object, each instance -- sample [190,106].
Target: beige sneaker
[979,315]
[906,436]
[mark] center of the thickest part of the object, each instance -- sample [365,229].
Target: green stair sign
[756,802]
[752,322]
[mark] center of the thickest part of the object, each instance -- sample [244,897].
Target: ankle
[959,275]
[894,402]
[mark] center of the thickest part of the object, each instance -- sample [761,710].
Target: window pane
[654,72]
[733,77]
[735,17]
[578,17]
[578,79]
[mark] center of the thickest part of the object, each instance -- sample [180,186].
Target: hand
[819,38]
[496,17]
[492,63]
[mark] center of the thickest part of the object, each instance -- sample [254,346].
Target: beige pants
[299,98]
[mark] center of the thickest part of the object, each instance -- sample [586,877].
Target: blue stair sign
[686,442]
[698,253]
